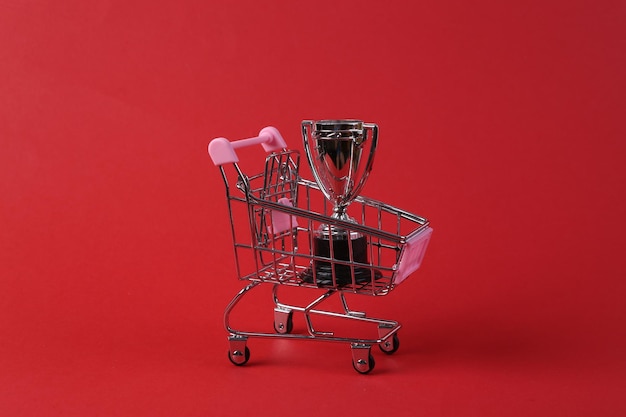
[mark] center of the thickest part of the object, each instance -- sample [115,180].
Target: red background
[503,122]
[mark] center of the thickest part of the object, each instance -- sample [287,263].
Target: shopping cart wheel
[238,357]
[362,359]
[283,321]
[391,345]
[238,352]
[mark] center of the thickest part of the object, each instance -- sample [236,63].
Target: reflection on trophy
[340,153]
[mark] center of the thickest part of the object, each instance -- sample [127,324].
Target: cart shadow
[483,342]
[478,341]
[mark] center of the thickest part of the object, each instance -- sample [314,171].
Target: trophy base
[343,273]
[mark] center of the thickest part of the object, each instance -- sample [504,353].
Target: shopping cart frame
[273,201]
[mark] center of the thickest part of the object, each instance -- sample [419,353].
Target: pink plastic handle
[222,151]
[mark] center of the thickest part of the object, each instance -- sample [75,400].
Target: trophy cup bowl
[340,154]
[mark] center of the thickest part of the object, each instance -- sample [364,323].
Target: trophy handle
[307,130]
[373,128]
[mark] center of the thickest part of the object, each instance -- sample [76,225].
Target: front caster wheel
[362,359]
[239,358]
[363,366]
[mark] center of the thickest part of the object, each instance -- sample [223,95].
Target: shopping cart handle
[222,151]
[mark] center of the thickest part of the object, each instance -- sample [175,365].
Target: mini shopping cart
[273,217]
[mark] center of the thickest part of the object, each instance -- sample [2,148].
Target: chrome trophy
[340,154]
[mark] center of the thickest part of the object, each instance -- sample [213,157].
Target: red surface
[503,122]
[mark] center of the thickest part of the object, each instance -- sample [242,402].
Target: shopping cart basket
[274,215]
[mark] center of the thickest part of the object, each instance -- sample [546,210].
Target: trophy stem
[339,212]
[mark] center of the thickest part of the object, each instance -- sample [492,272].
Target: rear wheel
[283,323]
[391,345]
